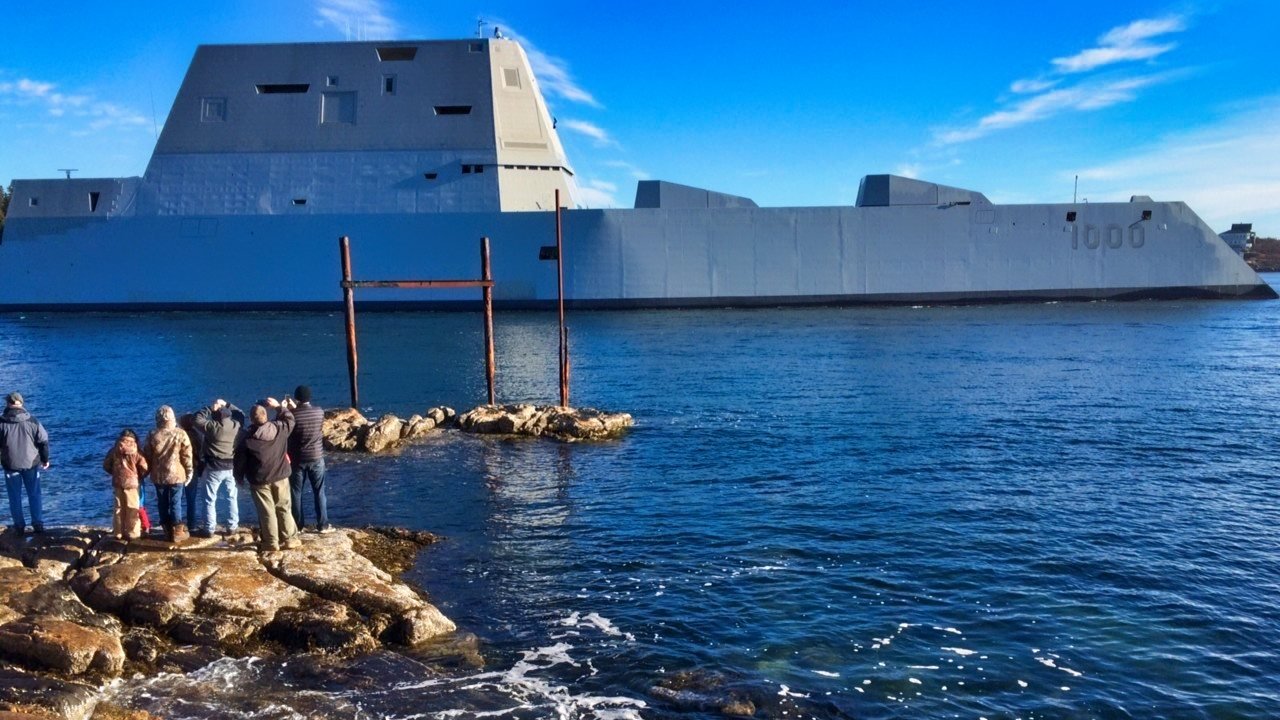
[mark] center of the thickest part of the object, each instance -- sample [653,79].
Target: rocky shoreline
[349,431]
[81,608]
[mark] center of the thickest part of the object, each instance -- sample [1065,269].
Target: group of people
[195,463]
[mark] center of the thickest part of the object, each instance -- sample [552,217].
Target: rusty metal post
[486,274]
[348,294]
[564,337]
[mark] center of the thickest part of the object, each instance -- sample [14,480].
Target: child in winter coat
[127,467]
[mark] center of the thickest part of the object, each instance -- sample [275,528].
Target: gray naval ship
[417,149]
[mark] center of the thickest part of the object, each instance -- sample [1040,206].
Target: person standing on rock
[221,424]
[193,491]
[262,458]
[127,467]
[306,450]
[24,452]
[168,451]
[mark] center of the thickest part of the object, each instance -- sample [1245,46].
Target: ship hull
[641,258]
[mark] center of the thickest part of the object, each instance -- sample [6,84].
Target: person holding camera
[262,458]
[221,424]
[24,452]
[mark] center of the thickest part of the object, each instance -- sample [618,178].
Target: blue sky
[786,103]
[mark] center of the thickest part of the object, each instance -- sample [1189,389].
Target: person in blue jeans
[306,450]
[24,452]
[221,424]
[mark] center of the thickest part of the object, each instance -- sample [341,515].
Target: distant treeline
[1265,255]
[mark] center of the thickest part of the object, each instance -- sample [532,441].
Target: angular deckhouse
[417,149]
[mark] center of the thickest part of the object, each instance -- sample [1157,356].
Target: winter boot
[180,533]
[168,532]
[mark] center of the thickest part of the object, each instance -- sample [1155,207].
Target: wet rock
[29,694]
[325,625]
[384,434]
[176,609]
[50,643]
[188,659]
[565,424]
[328,566]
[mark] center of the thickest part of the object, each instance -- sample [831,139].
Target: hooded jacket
[221,431]
[262,456]
[24,444]
[126,465]
[168,450]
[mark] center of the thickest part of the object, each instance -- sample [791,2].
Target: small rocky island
[350,431]
[80,608]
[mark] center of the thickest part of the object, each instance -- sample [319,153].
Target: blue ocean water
[1009,511]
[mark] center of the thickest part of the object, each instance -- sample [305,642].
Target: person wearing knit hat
[170,458]
[24,452]
[306,448]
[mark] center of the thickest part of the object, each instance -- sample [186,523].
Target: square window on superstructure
[475,47]
[388,84]
[213,109]
[511,77]
[33,201]
[331,81]
[338,108]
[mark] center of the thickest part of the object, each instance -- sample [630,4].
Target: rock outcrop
[561,423]
[349,431]
[78,607]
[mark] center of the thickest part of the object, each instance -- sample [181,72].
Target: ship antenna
[155,124]
[1075,191]
[68,171]
[480,23]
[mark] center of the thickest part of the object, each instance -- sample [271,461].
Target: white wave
[826,673]
[960,651]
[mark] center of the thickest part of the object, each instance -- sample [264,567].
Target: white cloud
[1124,43]
[595,132]
[632,170]
[1083,97]
[597,194]
[553,73]
[357,19]
[1228,172]
[98,114]
[1033,85]
[909,170]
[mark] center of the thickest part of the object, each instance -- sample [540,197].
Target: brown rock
[416,427]
[324,626]
[344,429]
[244,588]
[565,424]
[168,588]
[328,566]
[62,645]
[384,434]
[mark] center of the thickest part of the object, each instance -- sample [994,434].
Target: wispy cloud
[553,73]
[357,19]
[635,172]
[96,114]
[909,170]
[1227,172]
[597,194]
[1043,97]
[1124,43]
[1084,97]
[598,134]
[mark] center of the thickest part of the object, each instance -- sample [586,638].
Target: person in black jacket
[306,450]
[262,459]
[24,452]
